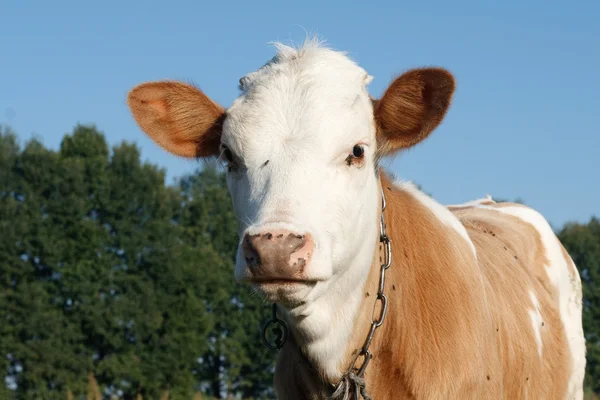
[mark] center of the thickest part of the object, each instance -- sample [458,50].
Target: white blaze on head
[291,133]
[300,146]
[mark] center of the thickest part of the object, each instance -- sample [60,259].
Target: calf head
[300,146]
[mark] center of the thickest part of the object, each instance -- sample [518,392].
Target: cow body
[500,322]
[483,300]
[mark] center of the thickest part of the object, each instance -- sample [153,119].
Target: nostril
[250,251]
[294,242]
[269,236]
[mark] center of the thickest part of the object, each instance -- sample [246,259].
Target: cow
[387,293]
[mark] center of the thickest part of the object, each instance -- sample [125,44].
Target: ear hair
[412,107]
[178,117]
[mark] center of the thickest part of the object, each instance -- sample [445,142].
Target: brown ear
[412,106]
[178,117]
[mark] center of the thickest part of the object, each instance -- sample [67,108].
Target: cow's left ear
[412,107]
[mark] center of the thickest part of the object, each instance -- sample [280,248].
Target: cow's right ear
[178,117]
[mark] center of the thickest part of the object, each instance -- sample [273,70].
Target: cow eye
[357,156]
[227,158]
[228,154]
[358,151]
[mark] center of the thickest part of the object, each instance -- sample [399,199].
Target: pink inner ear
[158,106]
[178,117]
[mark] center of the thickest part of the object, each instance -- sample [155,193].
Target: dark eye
[358,151]
[228,154]
[227,158]
[356,158]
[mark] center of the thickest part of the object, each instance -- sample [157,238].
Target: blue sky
[523,122]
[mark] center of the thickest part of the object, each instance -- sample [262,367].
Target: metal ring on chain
[278,329]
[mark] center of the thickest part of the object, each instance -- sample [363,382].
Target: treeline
[107,273]
[115,285]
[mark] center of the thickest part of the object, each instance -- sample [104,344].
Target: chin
[288,293]
[277,286]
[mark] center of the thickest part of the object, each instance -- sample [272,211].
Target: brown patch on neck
[422,316]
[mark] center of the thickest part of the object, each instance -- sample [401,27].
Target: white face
[292,144]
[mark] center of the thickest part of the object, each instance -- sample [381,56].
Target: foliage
[108,274]
[582,241]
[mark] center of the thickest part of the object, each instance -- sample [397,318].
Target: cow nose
[277,254]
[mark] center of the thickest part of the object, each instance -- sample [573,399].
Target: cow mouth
[281,286]
[289,292]
[280,281]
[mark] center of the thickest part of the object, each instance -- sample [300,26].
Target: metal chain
[354,374]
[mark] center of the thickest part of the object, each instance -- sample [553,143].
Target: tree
[236,361]
[140,304]
[109,276]
[41,345]
[582,241]
[94,274]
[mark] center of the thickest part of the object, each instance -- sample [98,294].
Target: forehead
[299,93]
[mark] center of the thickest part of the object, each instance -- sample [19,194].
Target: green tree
[43,345]
[9,258]
[582,241]
[107,272]
[95,276]
[236,361]
[142,309]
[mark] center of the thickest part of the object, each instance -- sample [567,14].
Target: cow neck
[353,382]
[370,317]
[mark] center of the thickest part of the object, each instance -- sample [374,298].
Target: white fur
[536,321]
[568,283]
[327,320]
[473,203]
[303,112]
[439,211]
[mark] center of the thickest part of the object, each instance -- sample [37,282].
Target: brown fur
[411,107]
[179,117]
[457,327]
